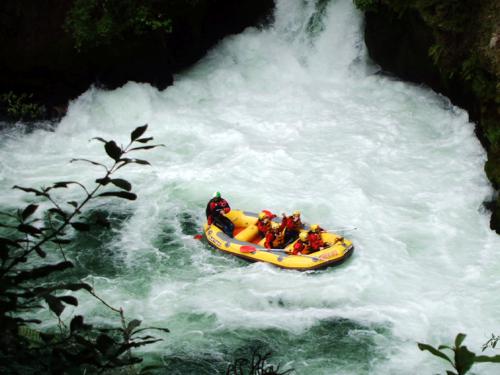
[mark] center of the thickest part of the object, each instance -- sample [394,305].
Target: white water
[283,119]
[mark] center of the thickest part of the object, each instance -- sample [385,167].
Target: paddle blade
[198,237]
[247,249]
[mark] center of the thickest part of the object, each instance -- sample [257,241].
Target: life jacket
[315,241]
[290,224]
[300,248]
[274,240]
[263,227]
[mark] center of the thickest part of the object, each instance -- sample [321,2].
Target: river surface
[288,116]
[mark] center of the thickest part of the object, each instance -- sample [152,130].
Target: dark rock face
[38,56]
[400,44]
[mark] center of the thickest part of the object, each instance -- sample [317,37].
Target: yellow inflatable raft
[249,245]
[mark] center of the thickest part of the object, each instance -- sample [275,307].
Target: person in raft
[291,225]
[264,222]
[315,240]
[314,237]
[274,238]
[216,208]
[302,246]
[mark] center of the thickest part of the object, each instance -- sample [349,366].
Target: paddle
[341,230]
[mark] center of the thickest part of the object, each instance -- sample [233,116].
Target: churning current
[289,116]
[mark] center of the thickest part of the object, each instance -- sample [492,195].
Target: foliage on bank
[36,275]
[94,23]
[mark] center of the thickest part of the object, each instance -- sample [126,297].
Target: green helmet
[217,194]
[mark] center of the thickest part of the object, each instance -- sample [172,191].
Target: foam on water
[287,117]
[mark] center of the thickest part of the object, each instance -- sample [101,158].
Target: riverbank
[455,49]
[51,52]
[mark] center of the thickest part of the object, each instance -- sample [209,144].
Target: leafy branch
[25,287]
[463,358]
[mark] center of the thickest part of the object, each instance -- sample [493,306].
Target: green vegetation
[21,107]
[32,266]
[94,23]
[463,359]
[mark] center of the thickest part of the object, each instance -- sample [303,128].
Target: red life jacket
[315,240]
[273,240]
[300,248]
[290,224]
[263,227]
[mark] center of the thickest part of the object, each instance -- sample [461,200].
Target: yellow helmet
[303,236]
[315,227]
[296,213]
[262,215]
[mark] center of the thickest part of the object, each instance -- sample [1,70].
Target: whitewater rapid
[288,116]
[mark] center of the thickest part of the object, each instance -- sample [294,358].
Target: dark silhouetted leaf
[132,325]
[121,183]
[146,147]
[40,252]
[29,190]
[54,304]
[62,184]
[28,211]
[42,271]
[151,328]
[113,150]
[130,345]
[138,132]
[76,323]
[29,229]
[80,226]
[434,351]
[485,358]
[144,140]
[70,300]
[73,203]
[103,181]
[119,194]
[464,358]
[8,242]
[140,161]
[104,343]
[459,339]
[88,161]
[99,139]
